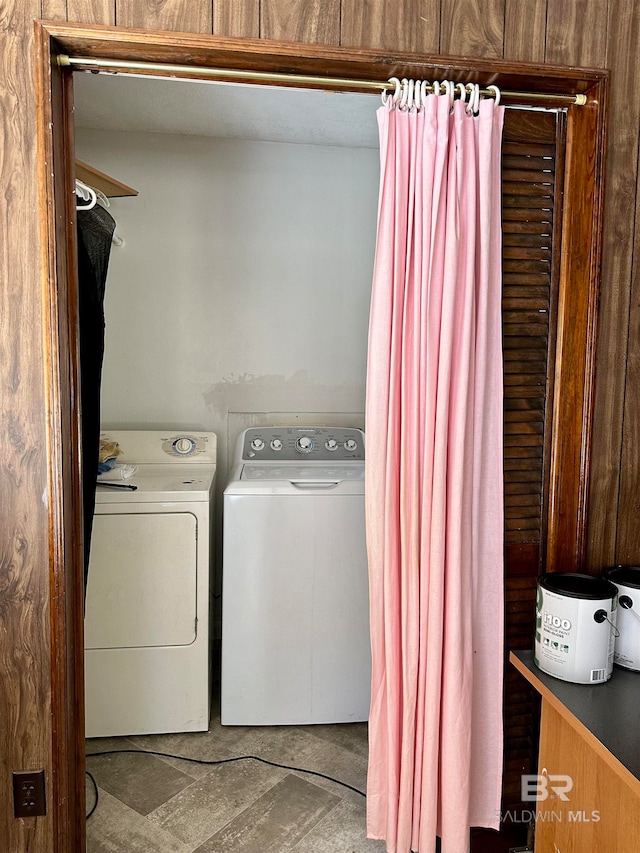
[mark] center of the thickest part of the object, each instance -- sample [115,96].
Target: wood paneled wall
[25,690]
[601,33]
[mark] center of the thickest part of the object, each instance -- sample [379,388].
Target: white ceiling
[230,111]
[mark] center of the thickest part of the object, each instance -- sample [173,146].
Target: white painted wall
[241,295]
[243,285]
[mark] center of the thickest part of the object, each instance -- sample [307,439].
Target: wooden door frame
[577,313]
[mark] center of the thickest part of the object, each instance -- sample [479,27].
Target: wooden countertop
[606,715]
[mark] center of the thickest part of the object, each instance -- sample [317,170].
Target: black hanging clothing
[95,233]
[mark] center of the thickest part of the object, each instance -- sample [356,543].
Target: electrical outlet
[28,793]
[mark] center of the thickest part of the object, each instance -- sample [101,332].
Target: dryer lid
[161,483]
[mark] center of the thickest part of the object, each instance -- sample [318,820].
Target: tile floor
[150,804]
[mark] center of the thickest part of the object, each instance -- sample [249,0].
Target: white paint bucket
[627,580]
[575,621]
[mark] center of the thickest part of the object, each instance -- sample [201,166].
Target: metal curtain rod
[88,64]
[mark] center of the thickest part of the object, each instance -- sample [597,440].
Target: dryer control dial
[304,444]
[183,446]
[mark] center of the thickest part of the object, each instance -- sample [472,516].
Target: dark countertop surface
[610,711]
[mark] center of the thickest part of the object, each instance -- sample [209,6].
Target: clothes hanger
[102,198]
[86,193]
[93,196]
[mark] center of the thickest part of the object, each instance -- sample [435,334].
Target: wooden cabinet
[602,812]
[589,800]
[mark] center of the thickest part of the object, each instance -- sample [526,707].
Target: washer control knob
[257,444]
[276,444]
[183,446]
[331,444]
[350,444]
[304,444]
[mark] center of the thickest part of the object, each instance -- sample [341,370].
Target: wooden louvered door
[532,164]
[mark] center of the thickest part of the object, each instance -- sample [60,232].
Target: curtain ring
[496,94]
[450,91]
[474,98]
[404,96]
[461,90]
[468,108]
[436,88]
[417,95]
[423,91]
[411,99]
[396,94]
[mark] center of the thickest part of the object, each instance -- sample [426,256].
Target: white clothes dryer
[147,625]
[295,603]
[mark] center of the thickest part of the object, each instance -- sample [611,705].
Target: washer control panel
[289,444]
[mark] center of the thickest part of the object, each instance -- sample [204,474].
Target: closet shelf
[111,187]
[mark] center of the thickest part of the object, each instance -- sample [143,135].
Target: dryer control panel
[161,446]
[184,444]
[291,444]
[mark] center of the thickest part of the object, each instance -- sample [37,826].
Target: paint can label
[574,637]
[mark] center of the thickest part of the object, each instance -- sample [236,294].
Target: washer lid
[156,483]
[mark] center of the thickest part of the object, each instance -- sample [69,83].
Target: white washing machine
[295,602]
[147,626]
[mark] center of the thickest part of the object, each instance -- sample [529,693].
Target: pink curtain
[434,479]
